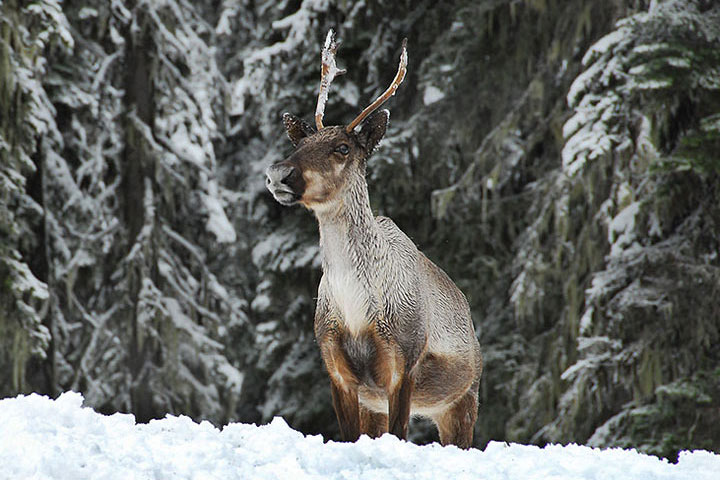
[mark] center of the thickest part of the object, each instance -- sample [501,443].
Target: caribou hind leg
[455,424]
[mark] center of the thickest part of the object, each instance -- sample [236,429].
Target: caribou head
[327,160]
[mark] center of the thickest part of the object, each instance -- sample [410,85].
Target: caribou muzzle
[285,183]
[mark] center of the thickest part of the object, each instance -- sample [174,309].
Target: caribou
[394,331]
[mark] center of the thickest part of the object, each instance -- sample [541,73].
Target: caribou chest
[347,292]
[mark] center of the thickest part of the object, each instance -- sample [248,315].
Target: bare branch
[399,77]
[328,73]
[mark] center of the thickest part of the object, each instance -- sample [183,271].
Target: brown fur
[394,331]
[373,424]
[455,425]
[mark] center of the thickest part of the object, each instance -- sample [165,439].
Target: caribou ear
[373,130]
[297,128]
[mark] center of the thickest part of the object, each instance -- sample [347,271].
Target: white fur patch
[314,185]
[339,380]
[349,296]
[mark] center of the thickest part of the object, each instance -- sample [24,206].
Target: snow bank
[59,439]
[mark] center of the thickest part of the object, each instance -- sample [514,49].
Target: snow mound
[59,439]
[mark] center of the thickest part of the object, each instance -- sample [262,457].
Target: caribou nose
[287,176]
[278,175]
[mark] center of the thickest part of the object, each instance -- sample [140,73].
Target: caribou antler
[399,77]
[327,74]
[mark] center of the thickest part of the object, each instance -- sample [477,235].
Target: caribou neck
[348,232]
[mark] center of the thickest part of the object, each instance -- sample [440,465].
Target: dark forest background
[558,158]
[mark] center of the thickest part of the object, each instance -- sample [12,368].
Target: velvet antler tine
[399,77]
[328,73]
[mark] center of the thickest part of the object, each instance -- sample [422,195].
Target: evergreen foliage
[559,159]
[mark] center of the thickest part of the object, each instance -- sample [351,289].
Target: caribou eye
[343,149]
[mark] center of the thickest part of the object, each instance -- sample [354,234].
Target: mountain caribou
[394,331]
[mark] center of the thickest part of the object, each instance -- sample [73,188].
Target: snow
[51,10]
[281,251]
[261,303]
[586,321]
[589,132]
[621,230]
[218,222]
[25,281]
[42,438]
[604,45]
[224,24]
[432,94]
[654,84]
[87,12]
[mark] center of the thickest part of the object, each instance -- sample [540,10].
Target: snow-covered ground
[59,439]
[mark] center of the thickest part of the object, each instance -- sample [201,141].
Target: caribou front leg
[344,388]
[345,403]
[399,386]
[399,406]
